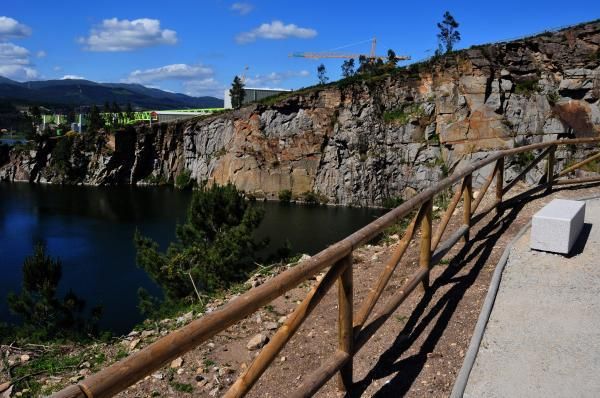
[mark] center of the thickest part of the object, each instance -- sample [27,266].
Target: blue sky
[196,47]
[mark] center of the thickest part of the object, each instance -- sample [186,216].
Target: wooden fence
[355,326]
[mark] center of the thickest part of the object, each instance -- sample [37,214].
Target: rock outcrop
[365,139]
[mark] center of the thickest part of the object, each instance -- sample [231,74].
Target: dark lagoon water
[91,229]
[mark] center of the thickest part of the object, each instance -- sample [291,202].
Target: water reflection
[91,230]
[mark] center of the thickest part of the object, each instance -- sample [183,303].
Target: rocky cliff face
[366,139]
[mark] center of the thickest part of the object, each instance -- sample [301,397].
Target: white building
[253,94]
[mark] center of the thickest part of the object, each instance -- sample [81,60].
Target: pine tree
[392,60]
[96,122]
[129,112]
[448,35]
[321,74]
[348,68]
[44,315]
[237,93]
[214,248]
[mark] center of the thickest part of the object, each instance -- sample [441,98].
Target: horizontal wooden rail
[578,165]
[128,371]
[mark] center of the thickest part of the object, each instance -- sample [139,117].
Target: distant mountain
[74,92]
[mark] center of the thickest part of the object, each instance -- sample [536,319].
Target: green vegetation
[182,387]
[448,35]
[348,68]
[396,229]
[184,180]
[51,362]
[322,74]
[214,248]
[553,97]
[44,316]
[237,92]
[522,159]
[527,87]
[314,198]
[61,155]
[285,196]
[392,202]
[404,114]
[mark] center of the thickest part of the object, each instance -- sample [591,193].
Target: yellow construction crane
[371,56]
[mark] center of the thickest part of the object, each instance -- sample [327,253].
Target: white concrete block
[557,225]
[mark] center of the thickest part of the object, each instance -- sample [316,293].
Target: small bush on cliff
[527,87]
[285,196]
[45,316]
[184,180]
[213,249]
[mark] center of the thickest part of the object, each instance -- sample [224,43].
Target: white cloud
[125,35]
[72,77]
[57,68]
[275,30]
[15,63]
[41,54]
[274,78]
[204,87]
[242,8]
[12,29]
[170,72]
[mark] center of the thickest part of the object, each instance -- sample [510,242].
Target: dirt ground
[416,353]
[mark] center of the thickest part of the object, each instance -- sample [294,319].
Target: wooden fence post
[550,167]
[425,257]
[345,330]
[467,199]
[499,182]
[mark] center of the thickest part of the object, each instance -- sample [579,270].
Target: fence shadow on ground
[478,249]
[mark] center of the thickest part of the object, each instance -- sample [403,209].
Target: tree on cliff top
[322,74]
[348,68]
[214,248]
[96,121]
[448,35]
[237,93]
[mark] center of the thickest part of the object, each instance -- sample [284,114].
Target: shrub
[527,87]
[184,180]
[313,198]
[213,249]
[392,201]
[553,97]
[403,114]
[285,196]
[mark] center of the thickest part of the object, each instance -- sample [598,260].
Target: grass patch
[527,87]
[182,387]
[51,363]
[404,114]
